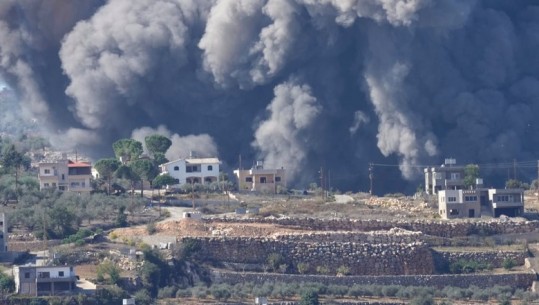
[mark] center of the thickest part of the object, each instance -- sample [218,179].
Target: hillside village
[137,228]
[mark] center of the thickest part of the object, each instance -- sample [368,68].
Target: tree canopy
[164,180]
[471,173]
[127,149]
[157,144]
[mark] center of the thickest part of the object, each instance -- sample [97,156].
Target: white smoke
[182,146]
[360,118]
[283,138]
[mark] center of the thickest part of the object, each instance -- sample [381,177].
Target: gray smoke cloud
[292,112]
[182,147]
[300,83]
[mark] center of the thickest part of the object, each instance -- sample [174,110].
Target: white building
[44,280]
[193,170]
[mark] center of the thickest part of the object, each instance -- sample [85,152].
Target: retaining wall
[442,260]
[522,280]
[443,228]
[359,258]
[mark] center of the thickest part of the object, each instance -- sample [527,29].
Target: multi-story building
[476,202]
[193,170]
[448,176]
[260,179]
[509,202]
[65,175]
[44,280]
[459,203]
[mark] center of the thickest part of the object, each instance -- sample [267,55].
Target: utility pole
[322,182]
[371,176]
[515,169]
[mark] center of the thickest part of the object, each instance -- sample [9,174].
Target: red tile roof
[78,164]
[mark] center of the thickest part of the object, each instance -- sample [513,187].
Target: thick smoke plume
[303,84]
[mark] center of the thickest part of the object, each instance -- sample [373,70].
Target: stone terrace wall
[360,258]
[441,228]
[522,280]
[495,258]
[394,235]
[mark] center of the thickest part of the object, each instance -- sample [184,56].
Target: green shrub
[151,228]
[184,293]
[303,268]
[509,263]
[322,270]
[221,292]
[390,291]
[468,266]
[337,290]
[166,292]
[343,270]
[309,297]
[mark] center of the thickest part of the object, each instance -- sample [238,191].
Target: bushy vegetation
[468,266]
[55,214]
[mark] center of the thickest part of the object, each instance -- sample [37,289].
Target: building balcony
[56,279]
[505,204]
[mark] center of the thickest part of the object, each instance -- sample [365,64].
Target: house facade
[65,175]
[459,204]
[44,280]
[448,176]
[260,179]
[481,201]
[193,170]
[509,202]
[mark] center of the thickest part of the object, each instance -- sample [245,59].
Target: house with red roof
[65,175]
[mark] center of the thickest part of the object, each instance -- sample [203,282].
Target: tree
[106,169]
[157,144]
[110,269]
[127,149]
[164,180]
[471,173]
[126,172]
[516,184]
[14,161]
[145,170]
[309,297]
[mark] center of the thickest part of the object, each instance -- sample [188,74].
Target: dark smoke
[302,84]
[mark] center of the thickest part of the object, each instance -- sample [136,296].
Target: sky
[300,84]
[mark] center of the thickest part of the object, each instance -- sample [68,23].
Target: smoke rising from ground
[300,83]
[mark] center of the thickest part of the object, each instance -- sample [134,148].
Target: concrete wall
[522,280]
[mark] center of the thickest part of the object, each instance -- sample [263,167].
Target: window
[248,179]
[262,179]
[63,177]
[453,212]
[210,168]
[46,171]
[277,179]
[455,176]
[176,168]
[43,275]
[27,275]
[62,188]
[451,199]
[54,184]
[45,184]
[192,168]
[60,273]
[470,198]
